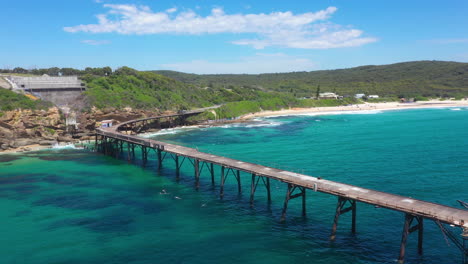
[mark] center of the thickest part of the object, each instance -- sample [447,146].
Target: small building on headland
[359,96]
[106,123]
[373,96]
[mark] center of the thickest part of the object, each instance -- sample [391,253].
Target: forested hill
[424,78]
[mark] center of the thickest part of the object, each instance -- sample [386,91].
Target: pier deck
[438,212]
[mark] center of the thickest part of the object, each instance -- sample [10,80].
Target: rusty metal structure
[122,140]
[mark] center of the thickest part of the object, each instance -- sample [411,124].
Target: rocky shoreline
[28,130]
[25,130]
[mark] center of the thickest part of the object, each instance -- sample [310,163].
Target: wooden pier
[111,141]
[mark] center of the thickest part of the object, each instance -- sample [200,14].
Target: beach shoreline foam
[377,107]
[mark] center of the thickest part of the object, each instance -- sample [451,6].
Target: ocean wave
[350,112]
[169,131]
[455,109]
[64,146]
[258,122]
[264,124]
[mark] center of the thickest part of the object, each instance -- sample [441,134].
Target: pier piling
[196,166]
[212,174]
[342,201]
[223,179]
[176,159]
[290,195]
[408,229]
[253,187]
[464,236]
[159,159]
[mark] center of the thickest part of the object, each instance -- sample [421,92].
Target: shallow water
[72,206]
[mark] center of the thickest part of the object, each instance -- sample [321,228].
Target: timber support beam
[255,180]
[465,245]
[408,229]
[291,195]
[225,174]
[340,209]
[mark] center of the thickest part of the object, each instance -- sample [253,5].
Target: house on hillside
[373,96]
[359,96]
[328,96]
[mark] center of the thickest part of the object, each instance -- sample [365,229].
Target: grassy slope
[10,101]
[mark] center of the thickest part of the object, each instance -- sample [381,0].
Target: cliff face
[21,128]
[26,127]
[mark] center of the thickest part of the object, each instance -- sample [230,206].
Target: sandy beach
[360,107]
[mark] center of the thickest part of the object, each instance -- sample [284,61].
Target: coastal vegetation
[10,101]
[245,93]
[407,79]
[127,87]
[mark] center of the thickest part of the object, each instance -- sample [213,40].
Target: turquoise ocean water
[73,206]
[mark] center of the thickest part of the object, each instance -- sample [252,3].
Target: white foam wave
[455,109]
[256,123]
[360,112]
[168,131]
[64,146]
[264,124]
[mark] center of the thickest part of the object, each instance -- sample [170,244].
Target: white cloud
[260,63]
[284,29]
[95,42]
[171,10]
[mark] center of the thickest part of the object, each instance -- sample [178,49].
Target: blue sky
[240,36]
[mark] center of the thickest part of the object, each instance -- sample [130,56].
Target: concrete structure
[61,91]
[4,83]
[45,82]
[9,84]
[359,96]
[112,141]
[373,96]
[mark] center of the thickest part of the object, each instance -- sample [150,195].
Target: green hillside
[243,93]
[147,90]
[424,78]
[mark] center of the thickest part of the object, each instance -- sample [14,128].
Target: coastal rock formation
[22,128]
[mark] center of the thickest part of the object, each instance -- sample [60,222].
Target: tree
[317,93]
[69,71]
[38,71]
[19,70]
[126,71]
[54,71]
[107,71]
